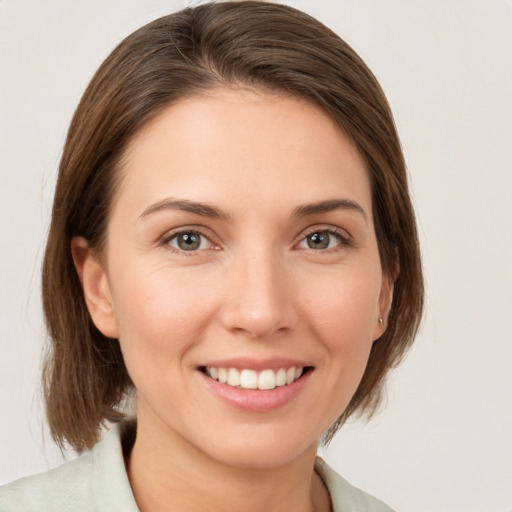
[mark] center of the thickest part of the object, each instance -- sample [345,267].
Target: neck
[167,469]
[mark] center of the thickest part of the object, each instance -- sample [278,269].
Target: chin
[263,448]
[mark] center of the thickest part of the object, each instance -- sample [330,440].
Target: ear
[95,287]
[385,301]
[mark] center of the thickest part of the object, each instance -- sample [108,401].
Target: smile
[251,379]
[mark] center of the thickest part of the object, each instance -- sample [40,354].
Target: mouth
[264,380]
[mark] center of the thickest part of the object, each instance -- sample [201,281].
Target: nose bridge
[259,301]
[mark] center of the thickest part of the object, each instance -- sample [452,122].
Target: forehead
[249,144]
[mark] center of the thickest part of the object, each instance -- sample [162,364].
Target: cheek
[343,306]
[160,311]
[348,338]
[342,315]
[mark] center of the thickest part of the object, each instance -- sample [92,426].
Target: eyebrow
[206,210]
[198,208]
[329,206]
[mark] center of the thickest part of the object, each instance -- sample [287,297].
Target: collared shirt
[97,482]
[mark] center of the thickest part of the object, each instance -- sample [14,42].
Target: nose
[259,297]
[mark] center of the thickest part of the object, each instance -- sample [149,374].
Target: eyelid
[199,230]
[344,236]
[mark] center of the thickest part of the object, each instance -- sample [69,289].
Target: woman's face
[241,246]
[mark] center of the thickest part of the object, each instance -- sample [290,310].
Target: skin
[254,289]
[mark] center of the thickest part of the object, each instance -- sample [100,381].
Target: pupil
[318,241]
[188,241]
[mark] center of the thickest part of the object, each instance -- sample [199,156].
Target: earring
[381,320]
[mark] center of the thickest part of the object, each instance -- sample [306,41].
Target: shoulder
[344,496]
[96,481]
[66,487]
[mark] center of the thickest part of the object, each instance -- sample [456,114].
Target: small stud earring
[381,320]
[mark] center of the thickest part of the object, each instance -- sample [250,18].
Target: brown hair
[255,44]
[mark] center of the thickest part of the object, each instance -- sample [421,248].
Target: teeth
[280,377]
[250,379]
[267,380]
[223,375]
[233,377]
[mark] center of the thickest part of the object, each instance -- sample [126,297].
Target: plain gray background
[444,441]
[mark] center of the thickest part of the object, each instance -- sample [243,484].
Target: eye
[189,241]
[321,240]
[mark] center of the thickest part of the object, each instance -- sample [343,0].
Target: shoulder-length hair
[263,46]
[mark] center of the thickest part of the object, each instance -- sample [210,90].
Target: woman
[233,242]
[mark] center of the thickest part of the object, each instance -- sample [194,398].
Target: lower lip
[256,400]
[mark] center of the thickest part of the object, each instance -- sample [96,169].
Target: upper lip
[242,363]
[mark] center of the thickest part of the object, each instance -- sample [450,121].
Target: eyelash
[342,236]
[166,241]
